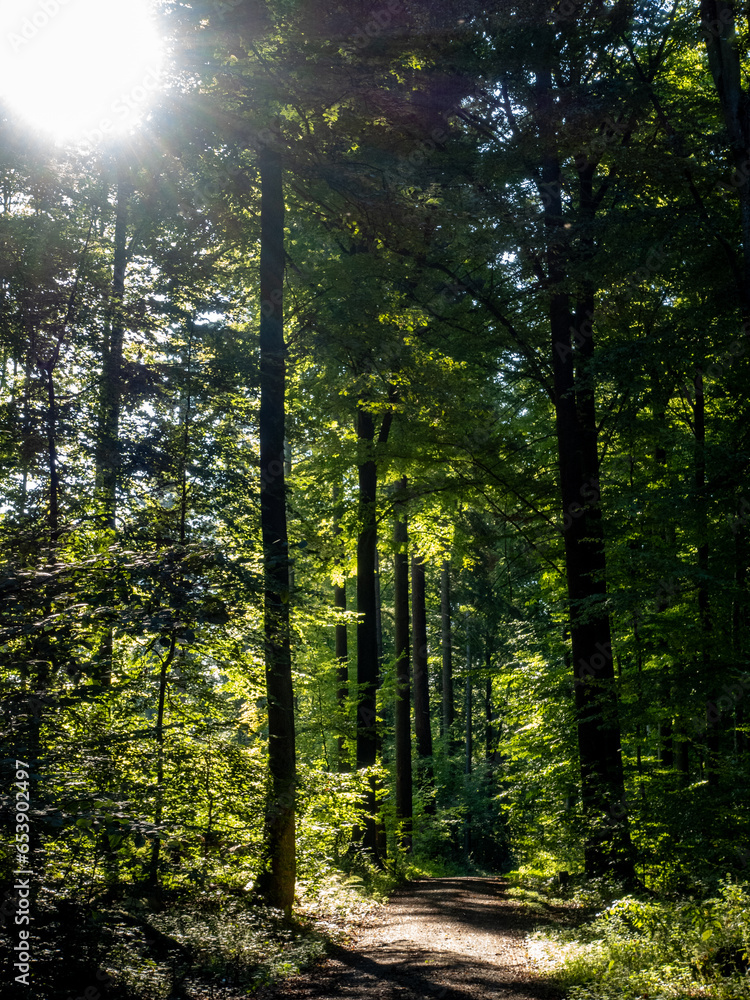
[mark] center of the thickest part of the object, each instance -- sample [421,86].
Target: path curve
[446,938]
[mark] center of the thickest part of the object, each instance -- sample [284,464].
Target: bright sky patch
[79,69]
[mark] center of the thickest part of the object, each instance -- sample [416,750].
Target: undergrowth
[642,949]
[220,940]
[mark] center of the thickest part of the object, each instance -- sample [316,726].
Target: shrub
[649,948]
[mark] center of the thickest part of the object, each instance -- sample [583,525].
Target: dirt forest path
[447,938]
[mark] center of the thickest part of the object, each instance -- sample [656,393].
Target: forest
[374,497]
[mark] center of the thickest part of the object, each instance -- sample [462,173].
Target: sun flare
[79,69]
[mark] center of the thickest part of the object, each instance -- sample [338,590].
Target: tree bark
[404,805]
[342,670]
[725,63]
[468,737]
[725,59]
[381,838]
[342,646]
[53,520]
[108,443]
[489,733]
[699,414]
[277,882]
[448,706]
[666,685]
[153,871]
[739,626]
[607,847]
[367,643]
[422,725]
[704,610]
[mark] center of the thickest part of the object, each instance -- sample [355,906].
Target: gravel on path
[444,938]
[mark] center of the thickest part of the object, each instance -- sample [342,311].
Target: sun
[79,69]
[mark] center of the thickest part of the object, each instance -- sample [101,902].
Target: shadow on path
[452,939]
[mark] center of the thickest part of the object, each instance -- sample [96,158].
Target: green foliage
[637,948]
[147,949]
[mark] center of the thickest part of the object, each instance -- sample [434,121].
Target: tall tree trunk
[53,517]
[607,847]
[378,612]
[468,736]
[185,450]
[672,732]
[367,642]
[488,785]
[342,669]
[368,664]
[699,412]
[422,725]
[403,701]
[153,871]
[489,732]
[727,52]
[704,610]
[42,649]
[666,683]
[381,838]
[342,643]
[26,434]
[278,881]
[739,604]
[108,443]
[739,628]
[448,706]
[725,63]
